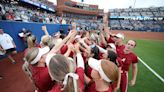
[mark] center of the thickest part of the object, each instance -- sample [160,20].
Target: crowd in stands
[140,19]
[115,24]
[25,13]
[20,12]
[85,22]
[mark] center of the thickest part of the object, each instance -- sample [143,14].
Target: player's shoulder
[5,34]
[133,55]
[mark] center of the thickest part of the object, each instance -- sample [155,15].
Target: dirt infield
[142,35]
[14,79]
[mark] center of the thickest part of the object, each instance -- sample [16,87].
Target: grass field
[152,53]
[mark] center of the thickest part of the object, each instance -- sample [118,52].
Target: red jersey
[80,72]
[64,49]
[119,62]
[127,59]
[110,40]
[88,71]
[101,56]
[102,45]
[42,79]
[92,88]
[119,48]
[10,17]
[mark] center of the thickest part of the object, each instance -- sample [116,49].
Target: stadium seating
[139,19]
[26,13]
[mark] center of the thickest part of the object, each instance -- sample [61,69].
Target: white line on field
[156,74]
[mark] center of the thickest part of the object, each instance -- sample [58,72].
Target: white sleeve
[101,49]
[9,37]
[80,61]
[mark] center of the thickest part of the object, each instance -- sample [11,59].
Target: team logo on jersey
[123,60]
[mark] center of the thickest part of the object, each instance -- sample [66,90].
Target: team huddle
[81,61]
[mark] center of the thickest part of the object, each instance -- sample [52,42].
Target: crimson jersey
[42,79]
[102,45]
[119,48]
[119,62]
[92,88]
[80,72]
[127,59]
[110,40]
[64,49]
[88,69]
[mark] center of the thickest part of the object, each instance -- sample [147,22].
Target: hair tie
[75,78]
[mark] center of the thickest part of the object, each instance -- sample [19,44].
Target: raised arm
[70,48]
[80,61]
[84,44]
[105,23]
[44,28]
[103,39]
[57,47]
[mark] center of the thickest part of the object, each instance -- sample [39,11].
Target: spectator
[34,18]
[10,15]
[2,13]
[24,17]
[17,15]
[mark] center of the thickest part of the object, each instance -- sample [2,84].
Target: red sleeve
[101,55]
[71,54]
[102,45]
[110,40]
[80,72]
[63,49]
[88,71]
[135,59]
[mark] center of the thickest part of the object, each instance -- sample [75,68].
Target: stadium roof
[111,4]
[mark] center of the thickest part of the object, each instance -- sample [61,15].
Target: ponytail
[69,87]
[69,80]
[31,41]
